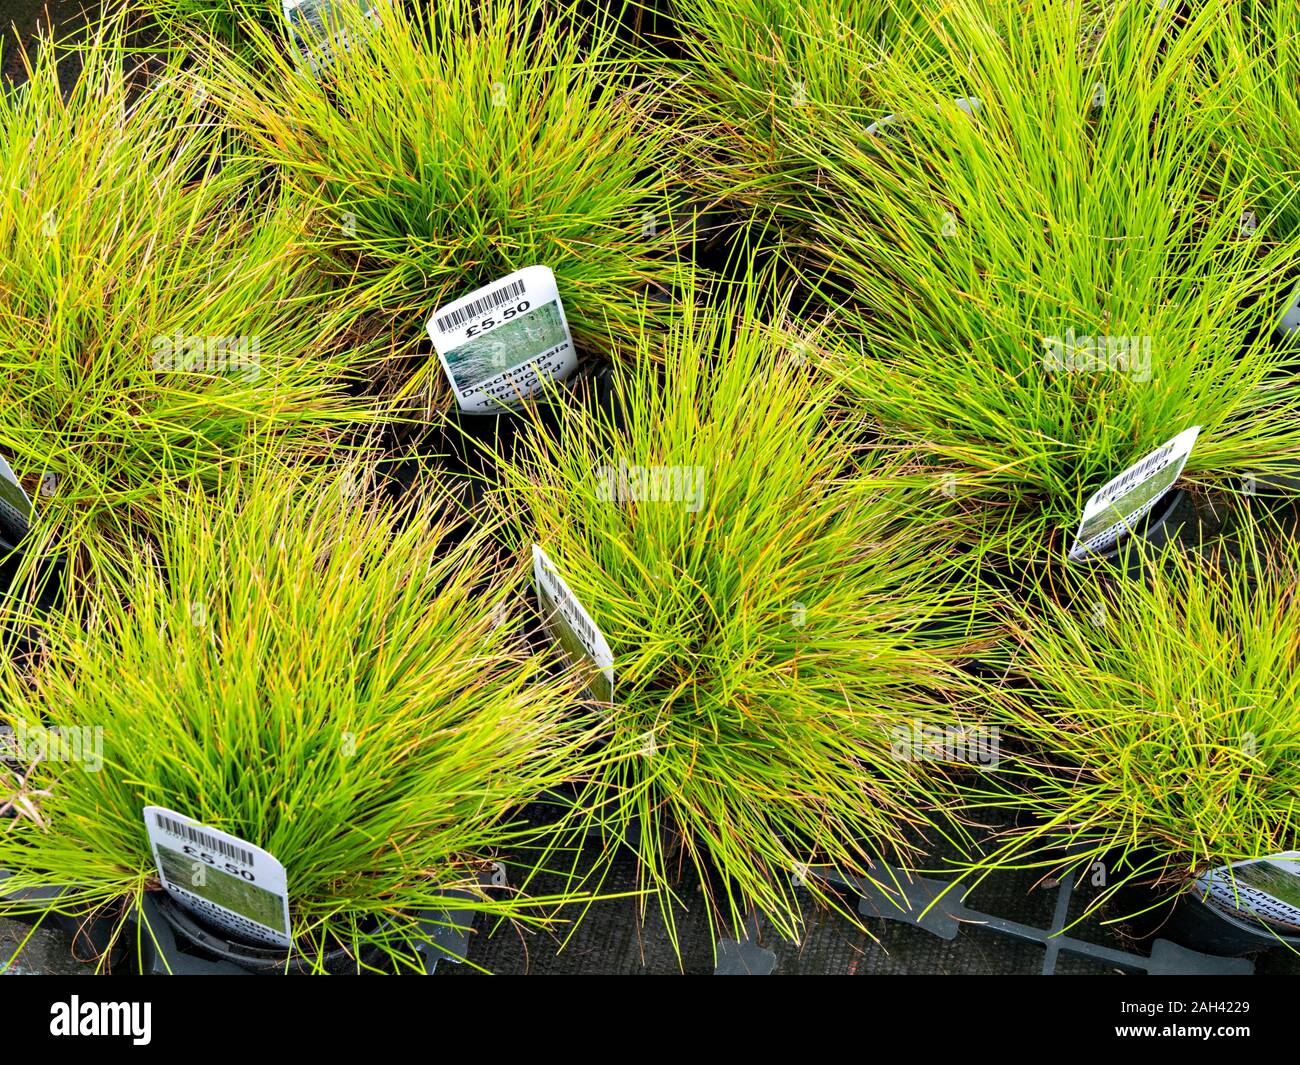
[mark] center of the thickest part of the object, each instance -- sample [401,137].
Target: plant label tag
[227,881]
[572,628]
[15,507]
[1290,320]
[1124,500]
[1266,889]
[504,342]
[310,24]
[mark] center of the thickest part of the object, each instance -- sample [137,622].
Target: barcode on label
[193,835]
[494,299]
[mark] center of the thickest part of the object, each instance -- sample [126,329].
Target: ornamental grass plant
[758,71]
[336,679]
[157,305]
[1254,53]
[765,80]
[1154,723]
[456,146]
[783,610]
[1049,288]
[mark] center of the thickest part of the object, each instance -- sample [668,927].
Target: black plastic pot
[466,442]
[50,579]
[1288,326]
[647,23]
[188,946]
[1267,512]
[175,942]
[1175,516]
[1282,489]
[92,934]
[1206,927]
[465,445]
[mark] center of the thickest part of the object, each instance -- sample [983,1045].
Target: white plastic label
[1290,320]
[309,23]
[571,627]
[227,881]
[1125,499]
[15,507]
[504,342]
[1266,889]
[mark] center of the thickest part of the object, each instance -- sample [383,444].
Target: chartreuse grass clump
[1255,52]
[782,610]
[762,77]
[190,22]
[335,679]
[455,146]
[1053,286]
[765,80]
[1157,720]
[154,308]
